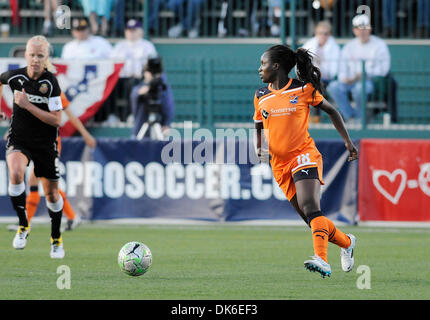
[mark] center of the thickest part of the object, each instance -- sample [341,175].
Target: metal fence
[230,18]
[214,91]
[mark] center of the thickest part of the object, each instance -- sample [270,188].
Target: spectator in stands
[423,18]
[118,18]
[374,51]
[188,12]
[49,9]
[134,50]
[95,10]
[153,95]
[85,45]
[389,10]
[326,53]
[275,13]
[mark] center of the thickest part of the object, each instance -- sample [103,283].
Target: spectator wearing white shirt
[134,51]
[374,51]
[84,45]
[326,53]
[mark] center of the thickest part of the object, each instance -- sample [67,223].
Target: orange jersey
[285,115]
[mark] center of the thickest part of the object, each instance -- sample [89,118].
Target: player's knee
[52,196]
[16,177]
[54,205]
[309,207]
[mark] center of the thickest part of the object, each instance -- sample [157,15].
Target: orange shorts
[307,158]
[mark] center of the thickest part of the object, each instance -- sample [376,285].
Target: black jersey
[44,93]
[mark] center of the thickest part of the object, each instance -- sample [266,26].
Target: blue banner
[203,180]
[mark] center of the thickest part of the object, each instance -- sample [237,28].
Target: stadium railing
[241,18]
[215,91]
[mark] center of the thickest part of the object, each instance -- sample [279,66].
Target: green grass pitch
[229,262]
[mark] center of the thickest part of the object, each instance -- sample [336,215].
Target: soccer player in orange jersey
[282,113]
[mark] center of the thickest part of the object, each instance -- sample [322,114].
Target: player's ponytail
[288,58]
[50,67]
[306,71]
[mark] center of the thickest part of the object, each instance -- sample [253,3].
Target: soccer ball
[134,258]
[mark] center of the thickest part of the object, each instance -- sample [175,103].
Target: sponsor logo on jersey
[36,99]
[282,111]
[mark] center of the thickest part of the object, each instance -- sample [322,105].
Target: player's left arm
[338,123]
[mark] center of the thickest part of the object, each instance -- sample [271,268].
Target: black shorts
[309,173]
[44,157]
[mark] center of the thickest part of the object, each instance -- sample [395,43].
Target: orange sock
[31,204]
[336,236]
[320,235]
[67,208]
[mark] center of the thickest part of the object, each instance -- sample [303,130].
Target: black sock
[55,223]
[18,203]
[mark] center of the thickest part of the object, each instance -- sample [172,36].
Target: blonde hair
[41,40]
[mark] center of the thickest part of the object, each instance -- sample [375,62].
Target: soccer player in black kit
[32,136]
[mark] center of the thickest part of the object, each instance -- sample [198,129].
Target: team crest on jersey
[264,114]
[43,88]
[294,99]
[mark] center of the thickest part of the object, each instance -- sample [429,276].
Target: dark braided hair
[288,58]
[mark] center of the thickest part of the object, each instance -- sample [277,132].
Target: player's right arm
[263,154]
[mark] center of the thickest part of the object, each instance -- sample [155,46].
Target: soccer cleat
[69,226]
[347,255]
[20,239]
[57,250]
[72,223]
[319,265]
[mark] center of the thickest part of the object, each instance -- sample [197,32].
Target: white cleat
[20,239]
[347,255]
[57,250]
[319,265]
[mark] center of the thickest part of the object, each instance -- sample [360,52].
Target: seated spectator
[423,19]
[188,13]
[326,55]
[95,10]
[84,45]
[389,11]
[275,13]
[134,50]
[374,52]
[118,18]
[49,9]
[152,99]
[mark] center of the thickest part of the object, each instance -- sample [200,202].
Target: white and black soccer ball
[134,258]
